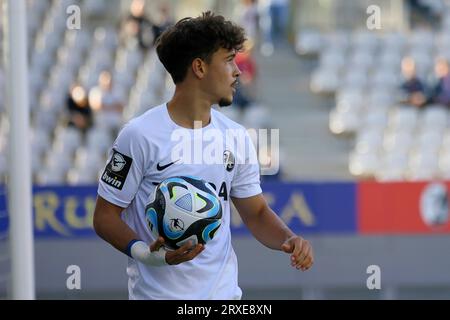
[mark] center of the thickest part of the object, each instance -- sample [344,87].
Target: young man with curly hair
[199,55]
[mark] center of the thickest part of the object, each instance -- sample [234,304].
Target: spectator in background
[265,24]
[80,113]
[273,21]
[412,88]
[279,14]
[245,91]
[248,17]
[106,103]
[424,13]
[165,20]
[138,27]
[441,91]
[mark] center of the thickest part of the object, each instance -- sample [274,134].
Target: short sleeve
[124,171]
[246,182]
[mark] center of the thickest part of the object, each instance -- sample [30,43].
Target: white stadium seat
[397,141]
[376,119]
[308,42]
[435,117]
[99,139]
[423,166]
[50,176]
[393,166]
[343,122]
[363,165]
[403,118]
[369,141]
[325,81]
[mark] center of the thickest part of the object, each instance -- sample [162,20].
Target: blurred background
[360,91]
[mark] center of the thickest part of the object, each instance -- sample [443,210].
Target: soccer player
[199,55]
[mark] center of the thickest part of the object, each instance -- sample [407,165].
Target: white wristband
[140,251]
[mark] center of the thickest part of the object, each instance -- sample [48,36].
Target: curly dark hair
[192,38]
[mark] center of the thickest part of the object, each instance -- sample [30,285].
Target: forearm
[112,229]
[268,228]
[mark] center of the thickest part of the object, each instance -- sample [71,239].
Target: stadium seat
[343,122]
[77,177]
[40,142]
[100,139]
[403,118]
[444,163]
[390,60]
[355,78]
[106,37]
[363,165]
[384,78]
[45,121]
[78,40]
[308,42]
[393,41]
[429,141]
[67,139]
[423,166]
[57,161]
[435,116]
[338,40]
[361,59]
[325,81]
[393,166]
[397,141]
[123,79]
[375,119]
[446,139]
[50,176]
[379,99]
[89,157]
[349,100]
[369,140]
[421,38]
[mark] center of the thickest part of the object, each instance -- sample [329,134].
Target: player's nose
[237,72]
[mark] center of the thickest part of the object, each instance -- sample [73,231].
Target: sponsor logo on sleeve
[116,170]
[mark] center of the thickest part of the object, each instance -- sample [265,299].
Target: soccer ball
[184,209]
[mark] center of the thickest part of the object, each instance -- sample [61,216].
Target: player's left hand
[301,252]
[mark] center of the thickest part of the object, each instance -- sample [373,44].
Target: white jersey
[149,150]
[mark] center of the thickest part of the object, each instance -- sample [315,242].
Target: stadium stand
[392,141]
[60,58]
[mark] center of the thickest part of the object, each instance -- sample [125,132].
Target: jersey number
[223,192]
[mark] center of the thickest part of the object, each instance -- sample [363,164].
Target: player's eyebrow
[231,55]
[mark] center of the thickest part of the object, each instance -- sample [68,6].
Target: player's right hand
[185,253]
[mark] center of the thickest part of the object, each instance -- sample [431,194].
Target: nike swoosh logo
[161,168]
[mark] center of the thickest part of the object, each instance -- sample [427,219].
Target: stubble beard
[224,102]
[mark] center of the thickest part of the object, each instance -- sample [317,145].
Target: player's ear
[199,68]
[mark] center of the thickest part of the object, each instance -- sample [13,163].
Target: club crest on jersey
[116,170]
[228,160]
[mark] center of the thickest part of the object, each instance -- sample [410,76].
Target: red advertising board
[403,208]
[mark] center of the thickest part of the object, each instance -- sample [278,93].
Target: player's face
[221,80]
